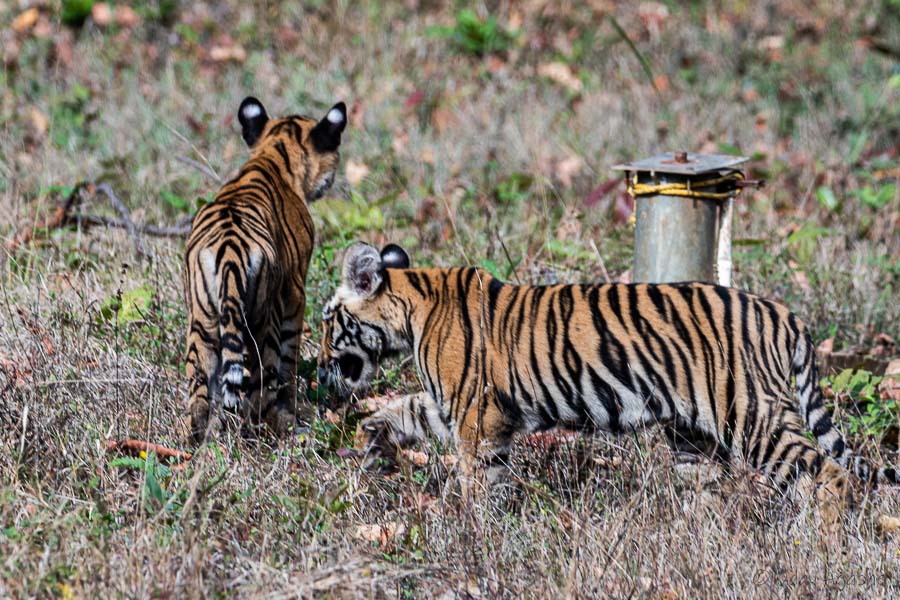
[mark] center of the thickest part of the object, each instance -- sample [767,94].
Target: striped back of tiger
[500,359]
[245,269]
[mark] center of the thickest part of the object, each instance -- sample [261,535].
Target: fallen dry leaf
[442,118]
[600,191]
[661,82]
[427,155]
[357,116]
[495,64]
[25,20]
[126,17]
[653,15]
[889,388]
[368,533]
[888,524]
[799,277]
[826,347]
[226,53]
[608,463]
[413,100]
[568,168]
[383,535]
[399,141]
[416,457]
[101,14]
[42,29]
[39,121]
[624,207]
[560,73]
[356,172]
[893,368]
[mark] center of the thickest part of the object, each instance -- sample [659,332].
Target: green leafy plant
[75,12]
[514,188]
[133,305]
[349,216]
[175,201]
[876,415]
[155,474]
[71,117]
[825,196]
[804,241]
[877,198]
[474,35]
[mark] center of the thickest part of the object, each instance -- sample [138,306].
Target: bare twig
[142,446]
[64,216]
[600,260]
[180,229]
[126,217]
[200,167]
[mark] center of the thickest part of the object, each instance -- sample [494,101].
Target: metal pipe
[683,215]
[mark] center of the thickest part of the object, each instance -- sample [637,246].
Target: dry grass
[615,517]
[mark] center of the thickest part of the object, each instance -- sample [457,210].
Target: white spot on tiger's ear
[251,111]
[335,116]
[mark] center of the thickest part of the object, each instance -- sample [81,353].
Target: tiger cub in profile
[245,269]
[497,359]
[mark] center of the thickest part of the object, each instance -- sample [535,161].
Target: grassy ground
[471,141]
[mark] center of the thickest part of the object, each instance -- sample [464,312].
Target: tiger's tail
[232,341]
[818,418]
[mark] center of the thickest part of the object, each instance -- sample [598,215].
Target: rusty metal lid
[683,163]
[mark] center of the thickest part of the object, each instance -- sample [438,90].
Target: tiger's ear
[394,257]
[253,118]
[326,135]
[362,269]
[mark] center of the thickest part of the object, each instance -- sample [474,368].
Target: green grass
[471,157]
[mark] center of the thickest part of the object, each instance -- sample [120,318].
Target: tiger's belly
[599,401]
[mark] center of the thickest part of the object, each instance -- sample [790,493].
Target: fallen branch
[63,216]
[200,167]
[142,446]
[126,217]
[180,229]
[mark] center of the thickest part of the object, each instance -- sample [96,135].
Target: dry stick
[62,217]
[126,217]
[200,167]
[141,445]
[180,229]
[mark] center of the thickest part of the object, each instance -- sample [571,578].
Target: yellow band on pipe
[686,190]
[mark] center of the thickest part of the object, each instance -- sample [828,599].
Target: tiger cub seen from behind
[245,269]
[497,359]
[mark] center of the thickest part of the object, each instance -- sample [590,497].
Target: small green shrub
[476,36]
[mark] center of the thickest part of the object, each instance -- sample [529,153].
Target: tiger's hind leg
[263,359]
[202,369]
[788,456]
[289,410]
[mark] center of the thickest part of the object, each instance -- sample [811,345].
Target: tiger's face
[305,150]
[363,321]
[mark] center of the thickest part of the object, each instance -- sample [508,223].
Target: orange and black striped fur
[497,359]
[245,268]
